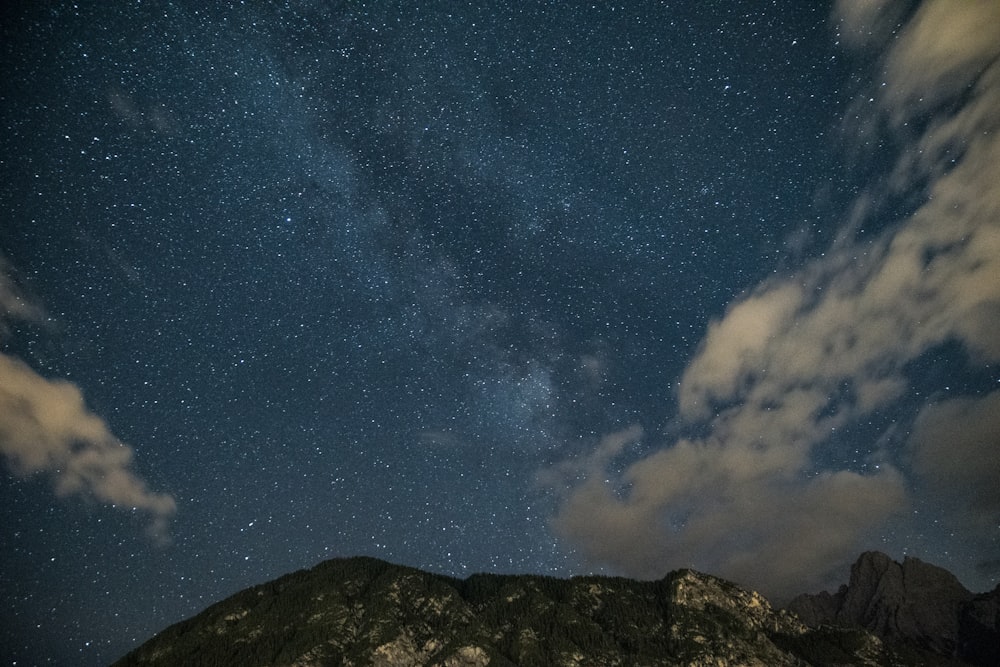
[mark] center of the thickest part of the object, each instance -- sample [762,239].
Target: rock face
[979,628]
[910,603]
[362,611]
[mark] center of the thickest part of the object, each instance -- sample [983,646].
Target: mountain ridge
[910,602]
[364,611]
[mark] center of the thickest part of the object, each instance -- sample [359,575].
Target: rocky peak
[715,622]
[699,592]
[912,601]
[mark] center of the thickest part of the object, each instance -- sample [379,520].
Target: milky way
[550,289]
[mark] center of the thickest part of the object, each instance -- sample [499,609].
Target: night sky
[549,288]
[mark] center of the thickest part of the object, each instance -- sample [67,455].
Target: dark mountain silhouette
[363,611]
[911,603]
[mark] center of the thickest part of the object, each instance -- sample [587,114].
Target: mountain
[911,603]
[363,611]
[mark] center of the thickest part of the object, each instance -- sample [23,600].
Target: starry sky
[531,287]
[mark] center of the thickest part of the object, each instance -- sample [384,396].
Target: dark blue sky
[548,288]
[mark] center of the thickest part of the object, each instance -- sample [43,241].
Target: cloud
[862,22]
[941,51]
[13,304]
[728,504]
[806,355]
[46,428]
[956,453]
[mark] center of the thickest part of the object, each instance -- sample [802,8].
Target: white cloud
[942,49]
[46,428]
[735,348]
[808,354]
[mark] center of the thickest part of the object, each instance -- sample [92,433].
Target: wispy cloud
[14,305]
[46,428]
[808,354]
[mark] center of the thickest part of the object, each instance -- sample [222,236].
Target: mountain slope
[362,611]
[912,603]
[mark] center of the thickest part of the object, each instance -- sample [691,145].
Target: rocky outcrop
[979,628]
[818,609]
[363,611]
[910,602]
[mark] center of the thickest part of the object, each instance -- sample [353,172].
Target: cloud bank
[961,466]
[46,428]
[806,355]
